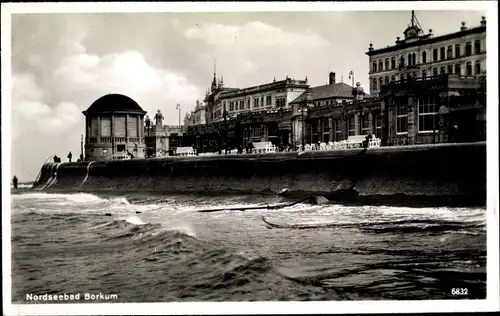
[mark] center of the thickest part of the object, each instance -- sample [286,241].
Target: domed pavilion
[114,129]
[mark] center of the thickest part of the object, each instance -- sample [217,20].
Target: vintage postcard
[249,158]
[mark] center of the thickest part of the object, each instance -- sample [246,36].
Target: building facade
[197,116]
[423,55]
[269,96]
[161,140]
[113,128]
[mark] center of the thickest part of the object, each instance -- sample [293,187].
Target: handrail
[40,172]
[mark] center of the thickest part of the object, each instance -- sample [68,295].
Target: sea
[159,248]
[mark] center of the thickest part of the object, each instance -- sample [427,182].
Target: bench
[184,151]
[263,147]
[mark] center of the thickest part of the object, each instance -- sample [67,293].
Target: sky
[62,62]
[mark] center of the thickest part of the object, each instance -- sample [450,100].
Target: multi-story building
[197,116]
[424,55]
[424,89]
[269,96]
[332,95]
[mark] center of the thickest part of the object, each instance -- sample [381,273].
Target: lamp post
[303,110]
[225,128]
[178,107]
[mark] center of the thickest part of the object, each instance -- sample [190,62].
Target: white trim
[402,133]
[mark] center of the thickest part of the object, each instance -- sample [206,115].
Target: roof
[336,90]
[427,40]
[114,103]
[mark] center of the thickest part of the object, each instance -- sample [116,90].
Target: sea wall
[445,174]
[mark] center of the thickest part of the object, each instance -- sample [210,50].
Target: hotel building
[422,55]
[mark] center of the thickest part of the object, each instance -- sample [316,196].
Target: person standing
[70,155]
[14,181]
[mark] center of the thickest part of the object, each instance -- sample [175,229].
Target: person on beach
[70,155]
[14,181]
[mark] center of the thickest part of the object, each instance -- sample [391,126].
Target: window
[374,66]
[393,62]
[337,127]
[387,64]
[387,80]
[435,72]
[424,74]
[393,78]
[414,57]
[351,126]
[449,52]
[256,102]
[450,69]
[402,77]
[427,112]
[478,68]
[378,125]
[374,83]
[468,49]
[410,62]
[231,106]
[457,69]
[248,103]
[442,70]
[424,57]
[242,104]
[457,51]
[380,65]
[257,132]
[468,71]
[402,62]
[268,100]
[325,129]
[365,124]
[435,54]
[280,103]
[401,115]
[477,47]
[380,82]
[441,53]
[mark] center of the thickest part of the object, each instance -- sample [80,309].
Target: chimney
[430,32]
[332,78]
[483,21]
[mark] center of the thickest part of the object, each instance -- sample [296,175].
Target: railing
[40,172]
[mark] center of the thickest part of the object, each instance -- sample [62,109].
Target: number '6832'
[459,291]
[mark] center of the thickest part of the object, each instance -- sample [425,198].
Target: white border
[490,304]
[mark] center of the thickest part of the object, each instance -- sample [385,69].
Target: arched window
[424,57]
[374,83]
[374,66]
[402,62]
[414,57]
[380,65]
[387,64]
[393,62]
